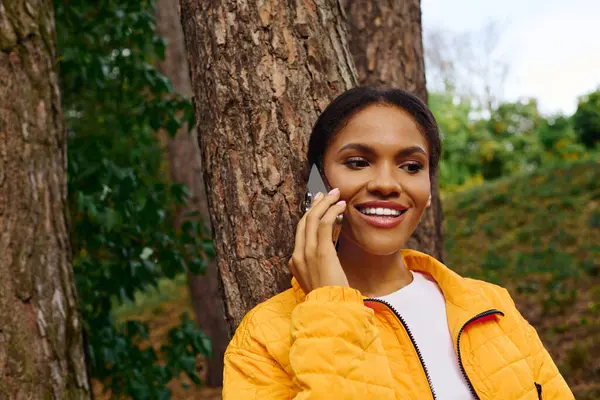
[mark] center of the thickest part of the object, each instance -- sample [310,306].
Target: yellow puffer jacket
[335,344]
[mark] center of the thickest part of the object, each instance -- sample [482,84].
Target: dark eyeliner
[353,161]
[413,164]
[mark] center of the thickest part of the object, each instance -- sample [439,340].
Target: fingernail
[318,196]
[341,203]
[335,191]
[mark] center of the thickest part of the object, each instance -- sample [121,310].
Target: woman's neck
[373,275]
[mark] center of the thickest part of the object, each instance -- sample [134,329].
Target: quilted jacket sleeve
[335,351]
[552,385]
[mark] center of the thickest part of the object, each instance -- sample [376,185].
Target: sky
[552,47]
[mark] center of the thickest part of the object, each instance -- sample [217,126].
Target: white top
[421,304]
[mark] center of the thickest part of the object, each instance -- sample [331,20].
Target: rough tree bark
[41,344]
[185,167]
[261,73]
[386,41]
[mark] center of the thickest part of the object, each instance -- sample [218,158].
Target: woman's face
[380,163]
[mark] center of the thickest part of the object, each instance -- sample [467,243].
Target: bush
[586,120]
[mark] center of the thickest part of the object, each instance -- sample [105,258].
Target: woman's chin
[381,249]
[378,245]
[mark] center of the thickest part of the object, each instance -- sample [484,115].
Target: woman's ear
[429,201]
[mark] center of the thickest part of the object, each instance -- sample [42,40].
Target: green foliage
[509,139]
[528,226]
[586,119]
[461,139]
[553,129]
[513,127]
[120,200]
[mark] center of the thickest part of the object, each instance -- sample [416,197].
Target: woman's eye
[412,168]
[356,163]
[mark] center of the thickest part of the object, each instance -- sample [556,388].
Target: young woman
[371,320]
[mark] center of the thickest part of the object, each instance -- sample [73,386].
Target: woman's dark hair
[343,107]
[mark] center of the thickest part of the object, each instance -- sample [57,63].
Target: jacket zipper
[462,368]
[412,339]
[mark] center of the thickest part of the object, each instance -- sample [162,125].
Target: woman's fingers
[299,243]
[320,206]
[297,262]
[313,219]
[325,228]
[317,222]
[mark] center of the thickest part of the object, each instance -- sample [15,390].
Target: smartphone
[317,184]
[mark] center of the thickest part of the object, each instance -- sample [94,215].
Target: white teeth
[380,211]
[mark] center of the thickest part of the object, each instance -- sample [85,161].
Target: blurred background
[515,87]
[545,50]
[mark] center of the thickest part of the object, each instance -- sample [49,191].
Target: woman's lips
[377,221]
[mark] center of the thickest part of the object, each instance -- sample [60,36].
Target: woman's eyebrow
[411,150]
[363,148]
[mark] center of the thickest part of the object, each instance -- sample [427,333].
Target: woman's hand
[314,262]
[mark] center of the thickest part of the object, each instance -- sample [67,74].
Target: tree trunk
[385,39]
[185,167]
[261,73]
[41,341]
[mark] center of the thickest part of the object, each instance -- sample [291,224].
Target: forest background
[519,191]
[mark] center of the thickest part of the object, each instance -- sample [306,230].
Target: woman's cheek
[419,190]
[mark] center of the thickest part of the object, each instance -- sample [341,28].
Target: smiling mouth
[380,212]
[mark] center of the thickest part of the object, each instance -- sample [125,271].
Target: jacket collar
[463,298]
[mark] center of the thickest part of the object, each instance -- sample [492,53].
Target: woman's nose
[385,183]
